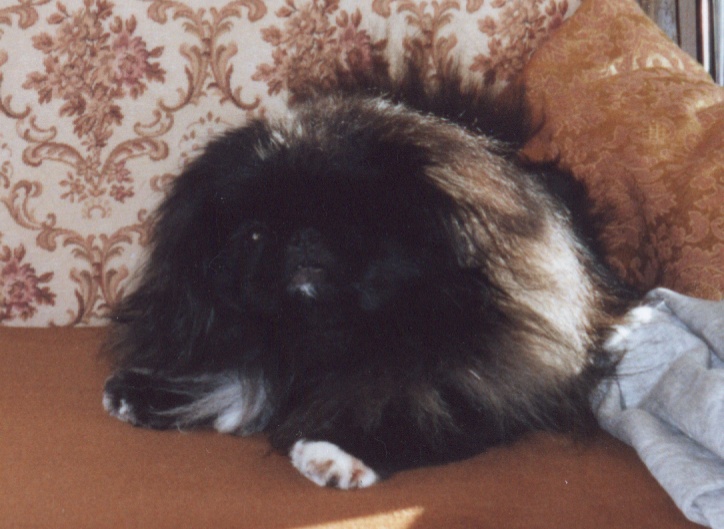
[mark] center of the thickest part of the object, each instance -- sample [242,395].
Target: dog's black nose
[307,263]
[306,238]
[306,248]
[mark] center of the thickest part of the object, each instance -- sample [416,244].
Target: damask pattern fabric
[102,102]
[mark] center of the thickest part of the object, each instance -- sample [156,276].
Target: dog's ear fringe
[167,318]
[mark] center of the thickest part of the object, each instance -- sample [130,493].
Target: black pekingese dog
[373,281]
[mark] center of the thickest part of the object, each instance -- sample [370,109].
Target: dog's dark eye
[255,232]
[251,237]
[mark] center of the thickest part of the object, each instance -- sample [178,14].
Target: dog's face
[333,237]
[322,253]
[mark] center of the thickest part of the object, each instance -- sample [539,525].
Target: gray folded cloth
[667,400]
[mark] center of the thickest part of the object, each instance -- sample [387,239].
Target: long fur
[371,274]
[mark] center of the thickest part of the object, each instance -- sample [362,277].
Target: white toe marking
[624,336]
[107,402]
[328,465]
[124,412]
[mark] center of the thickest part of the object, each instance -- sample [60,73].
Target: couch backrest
[102,102]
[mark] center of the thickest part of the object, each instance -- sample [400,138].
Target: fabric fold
[667,400]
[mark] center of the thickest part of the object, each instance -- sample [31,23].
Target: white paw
[328,465]
[631,331]
[120,409]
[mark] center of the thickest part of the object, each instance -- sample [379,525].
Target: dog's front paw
[328,465]
[134,396]
[119,398]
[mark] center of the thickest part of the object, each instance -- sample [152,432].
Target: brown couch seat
[65,464]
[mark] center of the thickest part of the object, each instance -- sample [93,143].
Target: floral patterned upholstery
[102,102]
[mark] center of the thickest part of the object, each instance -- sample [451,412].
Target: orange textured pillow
[642,125]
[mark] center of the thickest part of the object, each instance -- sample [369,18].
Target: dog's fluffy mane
[505,339]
